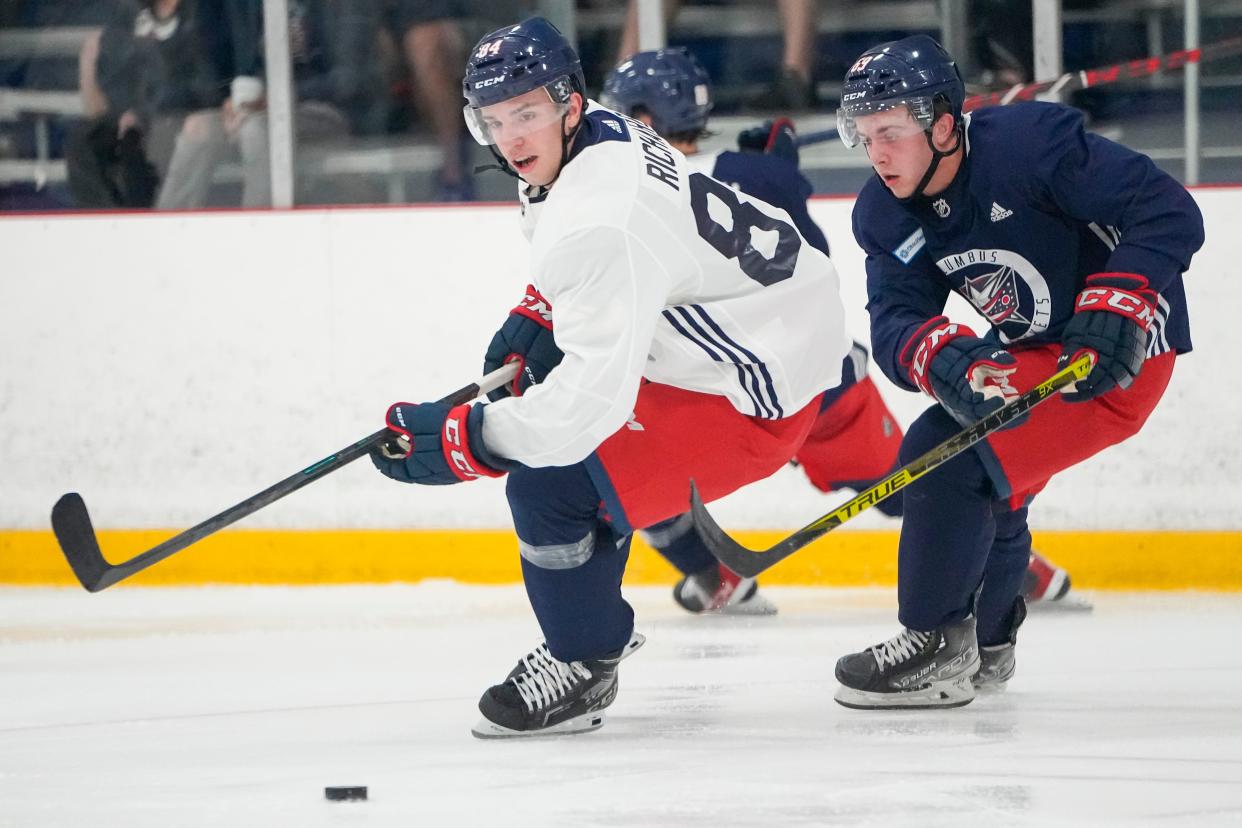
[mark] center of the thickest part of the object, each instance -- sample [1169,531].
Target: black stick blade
[72,525]
[750,562]
[745,562]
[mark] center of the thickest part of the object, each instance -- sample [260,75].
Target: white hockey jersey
[653,270]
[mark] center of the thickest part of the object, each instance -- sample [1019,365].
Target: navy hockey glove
[435,444]
[969,376]
[1111,317]
[525,338]
[776,137]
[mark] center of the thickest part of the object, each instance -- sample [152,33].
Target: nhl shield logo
[941,207]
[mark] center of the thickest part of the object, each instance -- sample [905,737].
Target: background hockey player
[855,438]
[1066,243]
[672,327]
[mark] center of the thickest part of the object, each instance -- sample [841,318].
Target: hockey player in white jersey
[699,332]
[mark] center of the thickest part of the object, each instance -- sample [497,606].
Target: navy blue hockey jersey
[1038,205]
[769,178]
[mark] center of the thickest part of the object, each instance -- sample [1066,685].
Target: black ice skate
[996,662]
[912,670]
[722,591]
[543,696]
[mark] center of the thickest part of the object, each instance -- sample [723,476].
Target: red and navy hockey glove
[435,444]
[776,137]
[525,338]
[969,376]
[1111,318]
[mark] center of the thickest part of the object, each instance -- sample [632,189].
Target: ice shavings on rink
[238,706]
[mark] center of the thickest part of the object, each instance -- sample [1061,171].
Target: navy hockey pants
[572,561]
[958,538]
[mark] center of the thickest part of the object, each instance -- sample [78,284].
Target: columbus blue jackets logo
[1004,287]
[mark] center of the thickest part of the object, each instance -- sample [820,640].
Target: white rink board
[169,366]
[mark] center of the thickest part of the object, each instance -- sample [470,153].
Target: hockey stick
[750,562]
[1084,79]
[72,523]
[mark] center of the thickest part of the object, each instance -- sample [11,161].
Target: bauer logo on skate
[1005,287]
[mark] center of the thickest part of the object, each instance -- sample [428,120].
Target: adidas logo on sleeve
[999,213]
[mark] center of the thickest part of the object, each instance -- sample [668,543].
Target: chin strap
[935,162]
[566,140]
[501,164]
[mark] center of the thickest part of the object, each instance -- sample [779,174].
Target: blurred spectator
[138,79]
[793,89]
[1002,41]
[335,79]
[435,50]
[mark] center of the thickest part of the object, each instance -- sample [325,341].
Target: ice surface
[237,706]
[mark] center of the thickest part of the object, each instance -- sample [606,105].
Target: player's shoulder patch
[600,126]
[910,248]
[882,224]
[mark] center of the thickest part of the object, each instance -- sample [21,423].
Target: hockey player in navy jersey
[1066,243]
[687,354]
[856,438]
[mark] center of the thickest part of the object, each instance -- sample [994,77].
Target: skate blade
[955,693]
[1073,602]
[754,607]
[991,687]
[636,640]
[487,729]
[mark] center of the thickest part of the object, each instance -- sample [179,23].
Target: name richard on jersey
[1005,287]
[658,154]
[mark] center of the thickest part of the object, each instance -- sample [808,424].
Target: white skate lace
[900,647]
[546,680]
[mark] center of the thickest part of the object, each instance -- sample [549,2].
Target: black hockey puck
[351,793]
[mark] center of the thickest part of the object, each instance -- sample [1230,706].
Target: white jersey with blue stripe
[654,270]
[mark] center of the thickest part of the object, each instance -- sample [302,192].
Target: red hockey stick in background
[1084,79]
[1087,78]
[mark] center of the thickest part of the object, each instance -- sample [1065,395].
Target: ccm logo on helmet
[489,82]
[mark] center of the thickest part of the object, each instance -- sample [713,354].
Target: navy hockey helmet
[915,72]
[514,60]
[669,84]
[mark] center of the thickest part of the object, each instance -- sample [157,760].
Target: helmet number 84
[736,242]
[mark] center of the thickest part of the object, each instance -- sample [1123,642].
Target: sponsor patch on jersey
[910,247]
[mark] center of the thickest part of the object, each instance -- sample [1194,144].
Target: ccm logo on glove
[534,306]
[1117,301]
